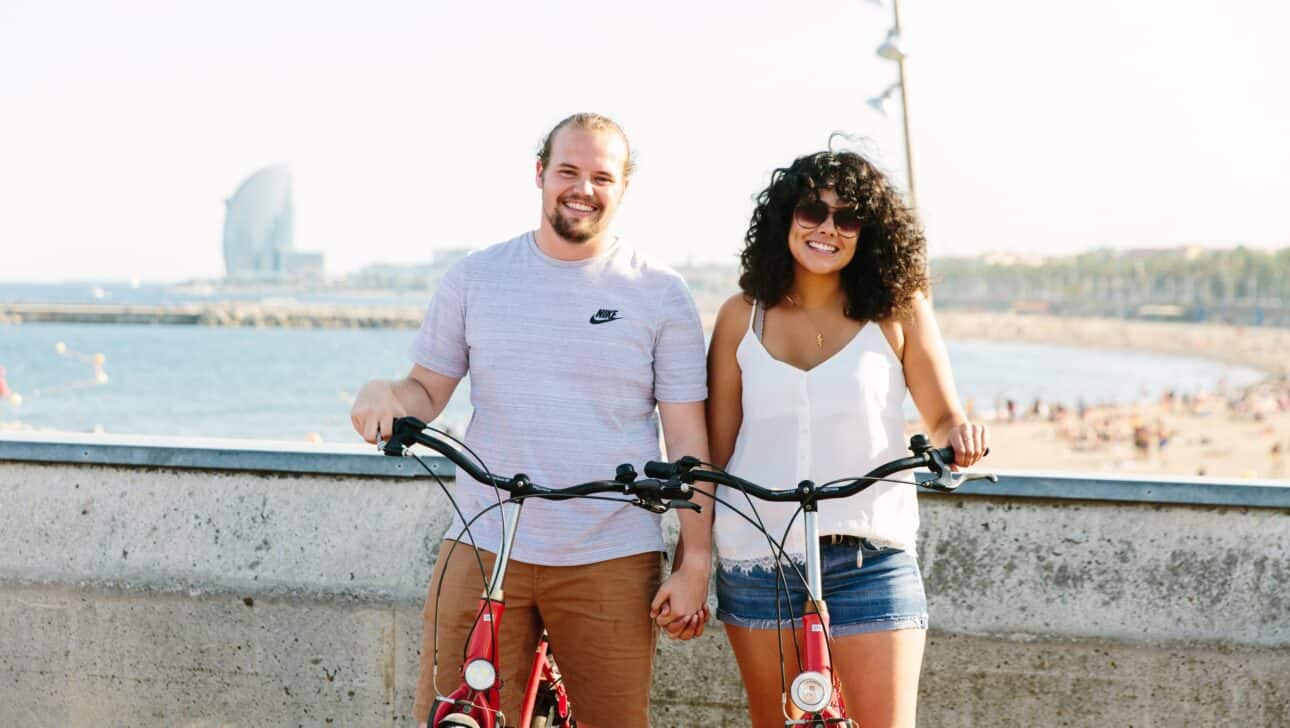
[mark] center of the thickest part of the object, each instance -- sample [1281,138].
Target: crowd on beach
[1146,435]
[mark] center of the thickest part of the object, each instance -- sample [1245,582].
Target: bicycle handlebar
[938,460]
[653,494]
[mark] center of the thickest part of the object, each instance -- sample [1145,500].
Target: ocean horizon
[298,384]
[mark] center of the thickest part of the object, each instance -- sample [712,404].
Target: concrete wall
[180,586]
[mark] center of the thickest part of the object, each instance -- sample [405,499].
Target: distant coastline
[1261,347]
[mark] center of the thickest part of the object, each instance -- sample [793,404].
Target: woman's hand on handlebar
[970,441]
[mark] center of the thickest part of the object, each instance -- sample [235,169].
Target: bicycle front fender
[481,709]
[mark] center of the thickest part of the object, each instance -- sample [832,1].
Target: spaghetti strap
[758,323]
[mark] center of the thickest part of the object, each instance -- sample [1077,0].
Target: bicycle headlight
[811,691]
[480,674]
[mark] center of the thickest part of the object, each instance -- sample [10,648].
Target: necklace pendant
[819,340]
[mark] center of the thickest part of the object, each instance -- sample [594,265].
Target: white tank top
[840,419]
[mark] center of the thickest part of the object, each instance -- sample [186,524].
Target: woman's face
[822,249]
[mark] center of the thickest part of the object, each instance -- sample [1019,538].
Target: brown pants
[597,616]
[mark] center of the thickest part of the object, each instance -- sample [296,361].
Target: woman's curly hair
[890,264]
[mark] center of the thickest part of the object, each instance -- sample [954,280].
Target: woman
[807,371]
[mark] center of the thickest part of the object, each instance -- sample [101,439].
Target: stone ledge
[274,457]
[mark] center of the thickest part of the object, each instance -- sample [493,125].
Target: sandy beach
[1231,434]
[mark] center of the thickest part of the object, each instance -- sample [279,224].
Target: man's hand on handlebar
[374,410]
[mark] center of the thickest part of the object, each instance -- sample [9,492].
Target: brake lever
[384,447]
[654,505]
[946,482]
[651,505]
[978,476]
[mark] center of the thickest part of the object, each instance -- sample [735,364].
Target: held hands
[686,628]
[970,441]
[680,606]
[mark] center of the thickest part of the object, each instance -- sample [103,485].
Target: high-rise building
[258,228]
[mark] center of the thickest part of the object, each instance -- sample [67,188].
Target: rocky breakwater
[218,314]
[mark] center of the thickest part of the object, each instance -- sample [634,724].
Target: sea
[298,384]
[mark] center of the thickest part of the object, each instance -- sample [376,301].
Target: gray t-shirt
[567,360]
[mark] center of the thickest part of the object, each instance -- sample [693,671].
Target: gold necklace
[819,335]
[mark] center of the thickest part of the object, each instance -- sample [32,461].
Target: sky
[1036,127]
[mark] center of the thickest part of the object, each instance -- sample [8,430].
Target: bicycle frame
[815,694]
[544,670]
[476,701]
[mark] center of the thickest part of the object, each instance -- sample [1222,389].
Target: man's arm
[441,355]
[423,394]
[685,592]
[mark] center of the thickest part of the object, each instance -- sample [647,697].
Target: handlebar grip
[405,433]
[947,454]
[655,469]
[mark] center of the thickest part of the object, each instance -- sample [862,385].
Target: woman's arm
[725,386]
[931,383]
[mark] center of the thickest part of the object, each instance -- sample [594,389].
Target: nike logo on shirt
[604,316]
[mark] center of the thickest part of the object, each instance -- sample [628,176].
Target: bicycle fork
[815,692]
[477,697]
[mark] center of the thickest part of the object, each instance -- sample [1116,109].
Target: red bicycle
[475,702]
[815,692]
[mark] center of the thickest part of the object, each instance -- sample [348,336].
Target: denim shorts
[883,593]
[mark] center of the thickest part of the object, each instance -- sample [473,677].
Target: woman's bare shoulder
[733,317]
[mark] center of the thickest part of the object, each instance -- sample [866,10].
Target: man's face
[583,182]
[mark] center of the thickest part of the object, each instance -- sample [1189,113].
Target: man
[572,342]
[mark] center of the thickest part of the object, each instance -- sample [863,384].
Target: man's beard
[571,230]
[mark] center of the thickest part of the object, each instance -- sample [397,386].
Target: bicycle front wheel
[458,721]
[545,720]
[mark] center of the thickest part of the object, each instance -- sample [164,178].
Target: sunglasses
[812,214]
